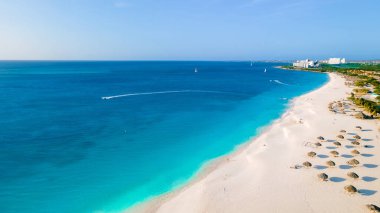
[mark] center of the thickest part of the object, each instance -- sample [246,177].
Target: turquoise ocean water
[65,149]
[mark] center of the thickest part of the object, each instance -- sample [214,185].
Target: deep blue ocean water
[65,149]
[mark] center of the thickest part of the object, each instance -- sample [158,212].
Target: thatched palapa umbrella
[355,152]
[358,127]
[357,137]
[330,163]
[343,131]
[334,153]
[353,175]
[323,176]
[350,189]
[318,144]
[321,138]
[311,154]
[340,136]
[353,162]
[307,164]
[360,115]
[355,143]
[337,144]
[373,208]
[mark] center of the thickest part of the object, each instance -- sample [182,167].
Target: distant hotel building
[336,61]
[305,64]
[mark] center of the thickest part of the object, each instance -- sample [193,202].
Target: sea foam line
[164,92]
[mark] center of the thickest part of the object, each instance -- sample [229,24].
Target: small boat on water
[265,70]
[195,70]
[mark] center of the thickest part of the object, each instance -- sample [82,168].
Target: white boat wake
[279,82]
[165,92]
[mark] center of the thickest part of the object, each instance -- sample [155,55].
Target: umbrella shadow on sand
[347,156]
[367,192]
[345,167]
[320,167]
[367,155]
[370,166]
[368,179]
[337,179]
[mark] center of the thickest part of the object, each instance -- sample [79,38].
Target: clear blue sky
[189,29]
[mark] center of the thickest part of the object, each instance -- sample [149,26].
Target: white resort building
[305,63]
[336,61]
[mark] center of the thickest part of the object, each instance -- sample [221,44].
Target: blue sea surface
[65,149]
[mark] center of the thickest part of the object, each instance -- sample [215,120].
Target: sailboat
[265,70]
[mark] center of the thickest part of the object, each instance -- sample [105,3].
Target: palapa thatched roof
[353,162]
[307,164]
[373,208]
[355,152]
[340,136]
[318,144]
[337,144]
[323,176]
[357,137]
[350,188]
[358,127]
[343,131]
[355,143]
[321,138]
[360,115]
[311,154]
[353,175]
[330,163]
[334,153]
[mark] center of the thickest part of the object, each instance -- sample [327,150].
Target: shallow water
[65,149]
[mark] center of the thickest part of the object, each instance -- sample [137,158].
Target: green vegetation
[351,67]
[369,106]
[363,75]
[361,91]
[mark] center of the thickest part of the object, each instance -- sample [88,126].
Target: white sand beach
[258,177]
